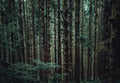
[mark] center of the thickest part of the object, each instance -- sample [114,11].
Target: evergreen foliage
[26,72]
[59,41]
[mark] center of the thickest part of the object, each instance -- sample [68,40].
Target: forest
[59,41]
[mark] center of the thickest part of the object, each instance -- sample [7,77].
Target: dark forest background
[59,41]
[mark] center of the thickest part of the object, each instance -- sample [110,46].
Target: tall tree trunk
[89,48]
[59,35]
[21,50]
[33,32]
[82,42]
[77,43]
[65,25]
[70,10]
[24,33]
[95,41]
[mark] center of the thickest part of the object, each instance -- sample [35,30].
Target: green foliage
[26,72]
[57,78]
[47,65]
[6,34]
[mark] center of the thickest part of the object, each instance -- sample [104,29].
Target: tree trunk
[77,43]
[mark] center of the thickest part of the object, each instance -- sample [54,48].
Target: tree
[80,35]
[77,43]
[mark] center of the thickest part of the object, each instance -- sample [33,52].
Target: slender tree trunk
[82,42]
[20,18]
[65,25]
[1,21]
[24,33]
[77,43]
[59,35]
[95,41]
[70,9]
[89,48]
[33,32]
